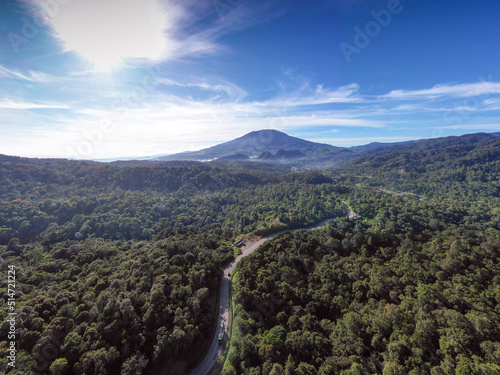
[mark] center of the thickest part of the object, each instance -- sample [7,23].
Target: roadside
[217,353]
[252,246]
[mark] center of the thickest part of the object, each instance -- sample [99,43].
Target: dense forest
[464,168]
[117,266]
[413,287]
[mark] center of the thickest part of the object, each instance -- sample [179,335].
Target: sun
[107,32]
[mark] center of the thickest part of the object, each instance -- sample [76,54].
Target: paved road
[216,350]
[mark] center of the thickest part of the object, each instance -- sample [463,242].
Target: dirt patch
[249,242]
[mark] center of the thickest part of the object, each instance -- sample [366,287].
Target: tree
[58,366]
[134,365]
[277,370]
[290,366]
[305,368]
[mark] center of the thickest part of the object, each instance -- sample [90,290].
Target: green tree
[58,366]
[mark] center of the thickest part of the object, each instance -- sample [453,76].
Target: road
[216,349]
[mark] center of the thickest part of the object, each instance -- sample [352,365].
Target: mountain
[282,155]
[274,147]
[377,148]
[234,157]
[255,143]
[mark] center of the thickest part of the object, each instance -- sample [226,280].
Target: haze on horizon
[91,79]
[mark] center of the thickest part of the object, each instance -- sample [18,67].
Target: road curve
[216,349]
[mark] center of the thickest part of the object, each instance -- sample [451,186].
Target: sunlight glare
[106,32]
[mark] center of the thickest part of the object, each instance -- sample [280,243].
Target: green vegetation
[413,288]
[395,296]
[463,168]
[117,267]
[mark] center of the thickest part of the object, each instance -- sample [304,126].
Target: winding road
[217,349]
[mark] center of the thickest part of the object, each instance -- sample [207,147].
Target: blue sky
[95,79]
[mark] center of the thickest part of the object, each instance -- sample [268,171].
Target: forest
[413,287]
[118,264]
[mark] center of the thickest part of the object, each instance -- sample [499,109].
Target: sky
[108,79]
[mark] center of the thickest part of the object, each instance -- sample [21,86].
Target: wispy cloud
[233,92]
[20,104]
[307,96]
[179,113]
[447,90]
[30,76]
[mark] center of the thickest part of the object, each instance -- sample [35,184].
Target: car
[221,336]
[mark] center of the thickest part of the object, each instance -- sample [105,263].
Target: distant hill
[429,156]
[376,145]
[458,167]
[463,143]
[255,143]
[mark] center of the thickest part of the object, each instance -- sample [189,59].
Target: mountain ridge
[255,143]
[276,147]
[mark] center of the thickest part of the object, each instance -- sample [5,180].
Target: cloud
[20,104]
[175,111]
[109,32]
[446,90]
[30,76]
[232,91]
[307,96]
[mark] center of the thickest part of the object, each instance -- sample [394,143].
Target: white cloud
[20,104]
[234,92]
[109,32]
[177,114]
[307,96]
[447,90]
[30,76]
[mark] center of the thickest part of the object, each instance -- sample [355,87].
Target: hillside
[455,166]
